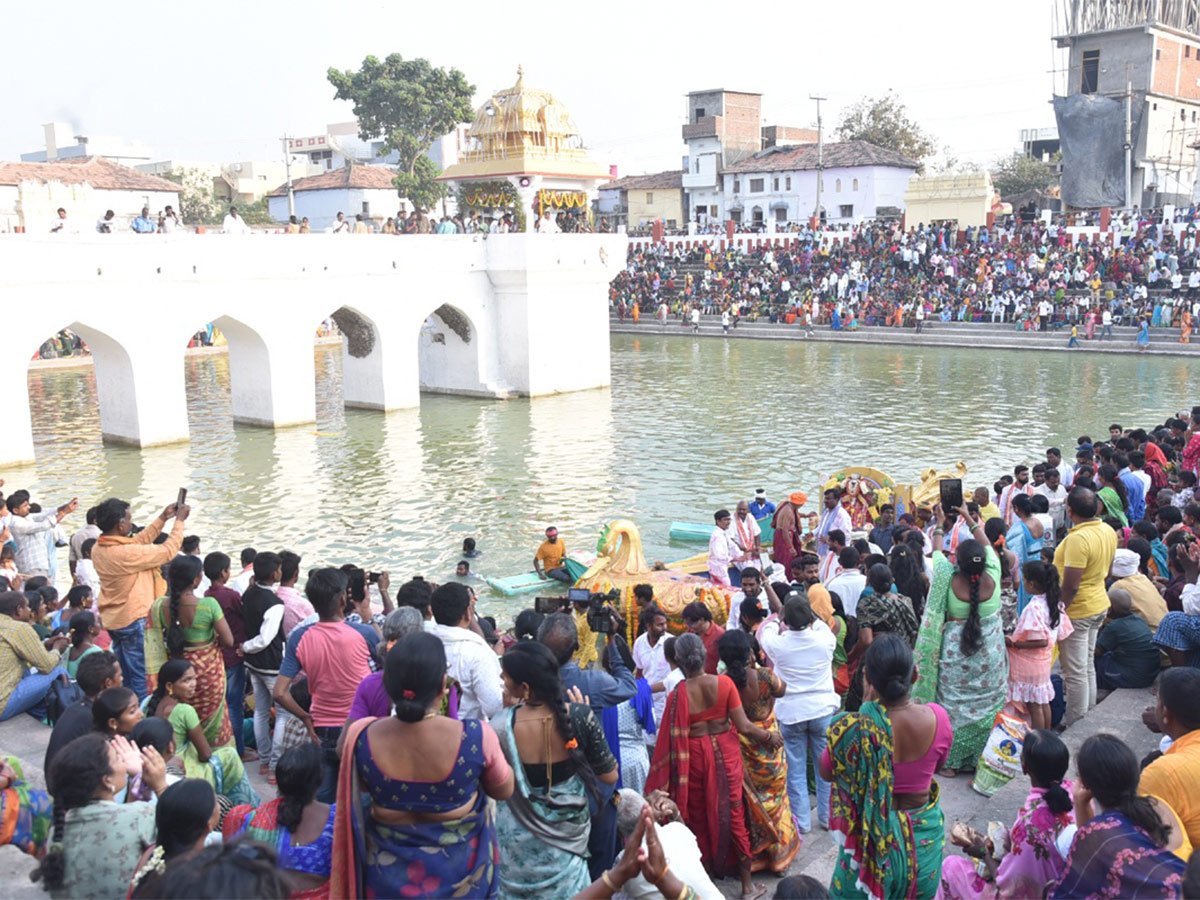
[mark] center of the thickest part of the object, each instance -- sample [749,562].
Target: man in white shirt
[191,547]
[747,534]
[1020,485]
[650,660]
[469,659]
[233,223]
[751,593]
[679,845]
[848,583]
[801,648]
[833,516]
[241,581]
[1053,490]
[721,549]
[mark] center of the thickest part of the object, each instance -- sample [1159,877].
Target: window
[697,170]
[1089,81]
[758,215]
[775,184]
[737,186]
[1157,54]
[856,184]
[649,198]
[1183,115]
[788,185]
[699,113]
[1187,52]
[837,185]
[846,211]
[366,210]
[780,214]
[756,185]
[736,215]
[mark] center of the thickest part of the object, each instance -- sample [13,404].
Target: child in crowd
[1040,626]
[1126,656]
[85,572]
[8,564]
[79,599]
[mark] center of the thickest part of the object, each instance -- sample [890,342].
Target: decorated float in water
[865,491]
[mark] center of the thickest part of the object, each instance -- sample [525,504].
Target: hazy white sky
[222,80]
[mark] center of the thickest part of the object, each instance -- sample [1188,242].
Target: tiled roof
[663,181]
[100,173]
[838,155]
[347,177]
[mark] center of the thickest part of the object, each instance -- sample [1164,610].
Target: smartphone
[951,494]
[372,577]
[182,498]
[548,605]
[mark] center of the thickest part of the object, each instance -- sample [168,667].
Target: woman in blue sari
[1157,321]
[1024,538]
[1143,335]
[837,319]
[425,825]
[559,755]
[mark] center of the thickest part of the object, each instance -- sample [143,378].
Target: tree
[409,104]
[884,122]
[1019,173]
[199,206]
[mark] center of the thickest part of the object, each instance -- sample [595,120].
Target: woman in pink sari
[1089,325]
[1033,859]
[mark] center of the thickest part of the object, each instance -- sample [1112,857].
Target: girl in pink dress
[1031,645]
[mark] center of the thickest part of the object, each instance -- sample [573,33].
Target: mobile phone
[951,493]
[548,605]
[372,577]
[182,498]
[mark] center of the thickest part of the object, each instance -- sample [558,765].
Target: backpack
[63,693]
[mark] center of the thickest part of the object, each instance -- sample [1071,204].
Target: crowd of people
[857,666]
[1031,276]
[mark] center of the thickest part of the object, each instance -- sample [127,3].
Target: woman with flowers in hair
[960,654]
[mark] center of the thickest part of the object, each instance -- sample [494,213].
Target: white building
[31,193]
[352,189]
[779,185]
[341,145]
[62,143]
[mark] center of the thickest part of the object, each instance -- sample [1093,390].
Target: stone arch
[115,385]
[450,356]
[368,381]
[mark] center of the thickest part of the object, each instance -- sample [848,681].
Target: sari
[1112,857]
[883,853]
[262,825]
[1113,505]
[971,688]
[774,840]
[1021,542]
[206,659]
[223,770]
[26,814]
[1027,868]
[891,613]
[703,775]
[454,858]
[544,832]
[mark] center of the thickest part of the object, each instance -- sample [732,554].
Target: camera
[599,614]
[548,605]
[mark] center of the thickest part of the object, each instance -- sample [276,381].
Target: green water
[689,425]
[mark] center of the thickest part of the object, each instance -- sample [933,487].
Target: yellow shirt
[1147,602]
[991,511]
[1089,546]
[1175,778]
[551,555]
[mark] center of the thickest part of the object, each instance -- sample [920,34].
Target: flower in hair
[572,744]
[409,695]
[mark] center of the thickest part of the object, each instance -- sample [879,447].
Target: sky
[222,81]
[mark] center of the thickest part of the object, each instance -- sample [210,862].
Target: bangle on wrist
[608,883]
[657,881]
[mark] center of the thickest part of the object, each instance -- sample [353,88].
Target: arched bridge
[511,315]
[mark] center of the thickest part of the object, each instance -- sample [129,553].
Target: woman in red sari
[698,762]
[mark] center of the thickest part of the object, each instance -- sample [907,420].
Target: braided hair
[299,775]
[77,773]
[908,572]
[971,560]
[1045,576]
[81,627]
[736,649]
[1110,770]
[1046,759]
[532,663]
[181,577]
[172,670]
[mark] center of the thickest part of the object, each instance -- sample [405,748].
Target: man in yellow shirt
[987,509]
[1175,776]
[1083,560]
[547,562]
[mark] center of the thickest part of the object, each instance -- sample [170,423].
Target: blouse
[102,843]
[183,718]
[960,609]
[208,613]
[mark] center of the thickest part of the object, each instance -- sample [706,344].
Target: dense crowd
[603,752]
[1031,275]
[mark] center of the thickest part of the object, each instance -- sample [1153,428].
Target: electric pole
[287,163]
[1128,139]
[820,159]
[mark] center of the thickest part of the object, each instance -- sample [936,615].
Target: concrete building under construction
[1133,67]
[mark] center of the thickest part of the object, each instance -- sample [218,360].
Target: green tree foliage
[410,104]
[199,206]
[884,122]
[1018,173]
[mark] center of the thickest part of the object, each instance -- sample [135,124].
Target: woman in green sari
[184,626]
[884,809]
[961,658]
[1111,494]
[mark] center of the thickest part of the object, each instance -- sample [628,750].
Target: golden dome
[522,121]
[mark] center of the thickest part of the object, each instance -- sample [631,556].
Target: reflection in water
[688,426]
